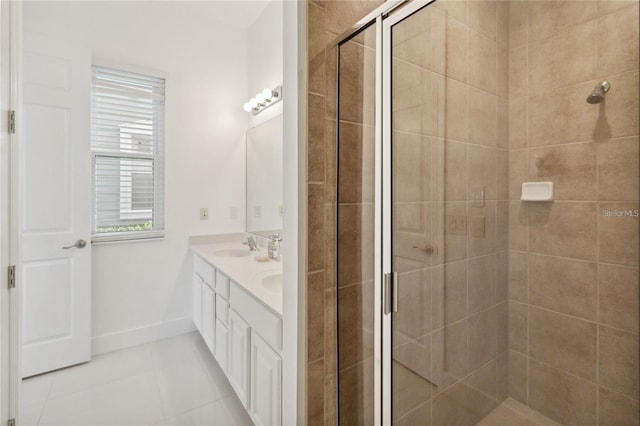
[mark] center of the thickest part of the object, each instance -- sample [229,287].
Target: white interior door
[55,195]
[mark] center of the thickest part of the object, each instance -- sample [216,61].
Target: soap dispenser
[274,246]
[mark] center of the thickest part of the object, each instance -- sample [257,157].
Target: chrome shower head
[597,95]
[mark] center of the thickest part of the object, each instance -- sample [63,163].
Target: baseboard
[138,336]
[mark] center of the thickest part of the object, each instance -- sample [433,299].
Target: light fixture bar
[263,100]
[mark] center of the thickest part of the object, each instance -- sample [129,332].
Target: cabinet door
[208,316]
[196,301]
[222,345]
[266,392]
[239,341]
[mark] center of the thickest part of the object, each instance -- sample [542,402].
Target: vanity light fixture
[263,100]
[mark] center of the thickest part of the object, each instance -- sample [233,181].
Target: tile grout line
[618,265]
[159,389]
[574,317]
[576,376]
[89,365]
[46,400]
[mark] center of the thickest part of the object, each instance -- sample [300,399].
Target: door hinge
[12,121]
[11,422]
[12,276]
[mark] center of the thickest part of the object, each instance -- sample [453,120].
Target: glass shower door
[442,162]
[355,261]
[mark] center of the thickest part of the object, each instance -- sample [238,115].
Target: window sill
[134,237]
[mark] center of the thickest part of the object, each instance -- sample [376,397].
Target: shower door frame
[383,21]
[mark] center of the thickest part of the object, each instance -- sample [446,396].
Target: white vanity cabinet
[196,301]
[208,316]
[239,341]
[222,332]
[204,301]
[266,383]
[245,338]
[265,340]
[222,346]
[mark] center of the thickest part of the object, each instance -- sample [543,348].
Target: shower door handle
[386,303]
[390,302]
[394,286]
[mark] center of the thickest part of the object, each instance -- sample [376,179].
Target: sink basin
[232,253]
[272,282]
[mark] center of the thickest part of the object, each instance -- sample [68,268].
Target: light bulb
[268,94]
[253,102]
[260,98]
[247,107]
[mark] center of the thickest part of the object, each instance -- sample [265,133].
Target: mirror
[264,178]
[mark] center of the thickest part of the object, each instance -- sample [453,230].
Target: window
[127,145]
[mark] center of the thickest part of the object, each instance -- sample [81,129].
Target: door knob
[427,249]
[77,244]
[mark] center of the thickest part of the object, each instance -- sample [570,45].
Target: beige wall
[573,277]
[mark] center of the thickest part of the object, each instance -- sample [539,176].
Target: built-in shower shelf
[537,191]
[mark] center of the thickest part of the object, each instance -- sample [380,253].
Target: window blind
[127,144]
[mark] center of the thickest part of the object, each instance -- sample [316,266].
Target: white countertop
[245,271]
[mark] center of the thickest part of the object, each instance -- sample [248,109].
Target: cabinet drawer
[222,310]
[222,285]
[266,323]
[202,268]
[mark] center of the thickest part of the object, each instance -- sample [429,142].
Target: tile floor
[174,381]
[513,413]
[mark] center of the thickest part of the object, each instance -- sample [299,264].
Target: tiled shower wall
[573,263]
[573,278]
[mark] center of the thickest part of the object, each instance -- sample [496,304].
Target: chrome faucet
[248,240]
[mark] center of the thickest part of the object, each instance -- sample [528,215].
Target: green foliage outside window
[147,226]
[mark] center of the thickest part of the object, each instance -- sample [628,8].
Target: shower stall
[457,301]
